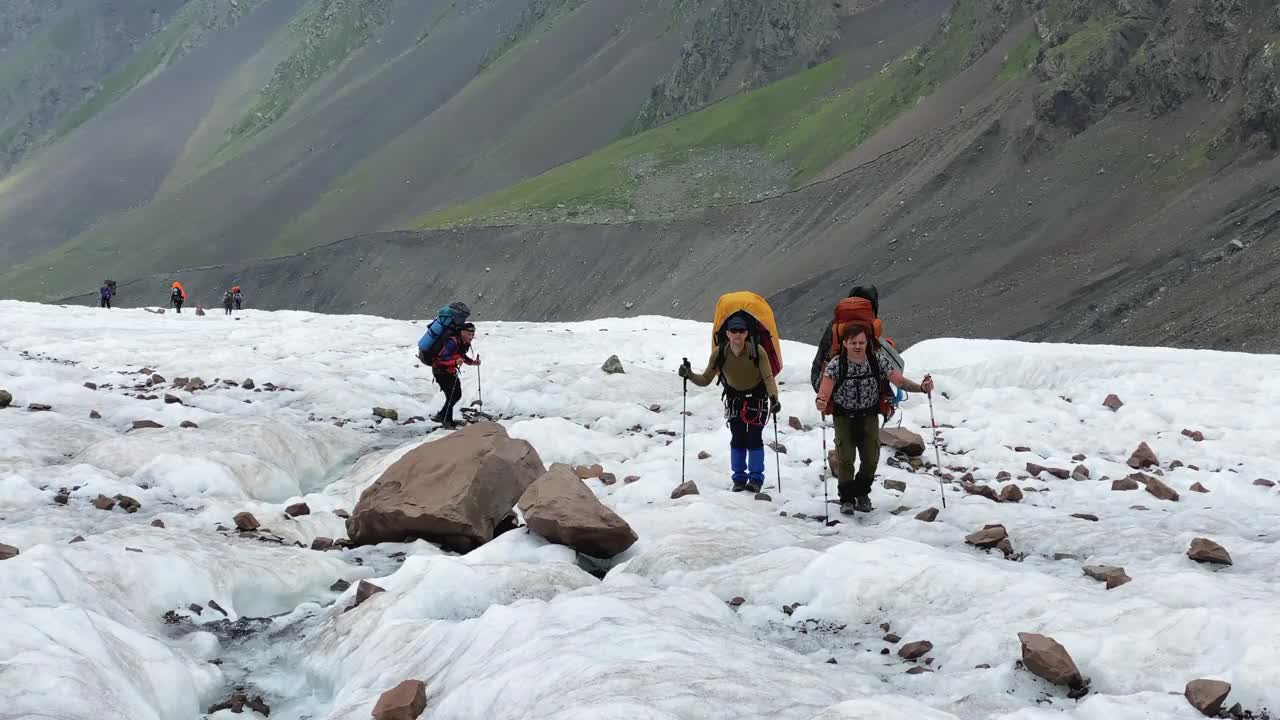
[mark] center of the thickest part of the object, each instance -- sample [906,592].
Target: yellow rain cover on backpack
[765,331]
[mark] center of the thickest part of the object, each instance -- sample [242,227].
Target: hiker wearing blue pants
[750,396]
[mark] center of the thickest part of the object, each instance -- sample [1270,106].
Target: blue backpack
[446,324]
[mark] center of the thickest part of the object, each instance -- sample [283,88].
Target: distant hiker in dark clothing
[104,296]
[178,296]
[852,389]
[226,303]
[237,296]
[751,395]
[445,371]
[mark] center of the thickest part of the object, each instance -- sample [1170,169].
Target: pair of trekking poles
[826,502]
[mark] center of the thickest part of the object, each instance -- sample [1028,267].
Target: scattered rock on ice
[297,510]
[777,447]
[1113,402]
[588,472]
[321,543]
[1124,484]
[386,413]
[1195,435]
[248,384]
[1156,487]
[1080,473]
[1263,482]
[364,591]
[983,490]
[613,366]
[340,586]
[898,485]
[405,701]
[794,423]
[1143,457]
[630,479]
[1011,493]
[246,522]
[6,399]
[1204,550]
[928,515]
[39,407]
[560,508]
[703,455]
[452,491]
[172,399]
[988,537]
[189,425]
[238,700]
[685,488]
[1114,577]
[764,497]
[200,313]
[915,650]
[157,523]
[1085,516]
[1207,696]
[1197,487]
[128,504]
[902,440]
[102,502]
[146,424]
[1045,657]
[8,552]
[95,415]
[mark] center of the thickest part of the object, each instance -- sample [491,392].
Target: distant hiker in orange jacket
[177,296]
[445,371]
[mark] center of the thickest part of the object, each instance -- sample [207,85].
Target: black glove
[775,405]
[685,370]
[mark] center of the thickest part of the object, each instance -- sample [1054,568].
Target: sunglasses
[739,331]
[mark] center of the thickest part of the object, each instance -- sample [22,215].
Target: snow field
[517,629]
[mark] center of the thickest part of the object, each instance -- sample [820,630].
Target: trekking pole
[937,456]
[684,421]
[826,503]
[479,387]
[777,456]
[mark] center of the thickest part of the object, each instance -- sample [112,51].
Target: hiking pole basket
[937,456]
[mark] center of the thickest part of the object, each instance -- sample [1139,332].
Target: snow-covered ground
[517,629]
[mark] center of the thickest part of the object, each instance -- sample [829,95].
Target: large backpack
[862,307]
[762,328]
[446,325]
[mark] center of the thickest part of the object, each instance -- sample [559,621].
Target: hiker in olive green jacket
[750,396]
[852,386]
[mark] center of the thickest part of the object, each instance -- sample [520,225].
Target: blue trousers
[746,452]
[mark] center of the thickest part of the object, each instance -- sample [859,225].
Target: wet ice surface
[521,629]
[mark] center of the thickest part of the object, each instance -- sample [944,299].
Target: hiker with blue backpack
[443,347]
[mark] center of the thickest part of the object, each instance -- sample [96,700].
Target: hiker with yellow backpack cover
[746,356]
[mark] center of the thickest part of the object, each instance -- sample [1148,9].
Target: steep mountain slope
[338,117]
[977,208]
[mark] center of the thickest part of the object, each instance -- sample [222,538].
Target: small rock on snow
[1085,516]
[1195,435]
[102,502]
[297,509]
[405,701]
[157,523]
[1080,473]
[8,552]
[1197,487]
[928,515]
[245,522]
[1142,457]
[778,448]
[386,414]
[6,398]
[1113,402]
[1263,482]
[1045,657]
[988,537]
[189,425]
[340,586]
[794,423]
[1124,484]
[1205,550]
[685,488]
[703,455]
[897,485]
[766,497]
[1114,577]
[39,407]
[146,424]
[366,590]
[321,543]
[1207,696]
[915,650]
[128,504]
[1011,493]
[95,415]
[613,366]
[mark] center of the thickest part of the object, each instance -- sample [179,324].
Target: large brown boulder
[453,491]
[1204,550]
[911,444]
[1045,657]
[561,508]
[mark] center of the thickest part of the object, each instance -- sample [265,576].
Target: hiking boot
[437,418]
[753,487]
[862,503]
[847,508]
[739,487]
